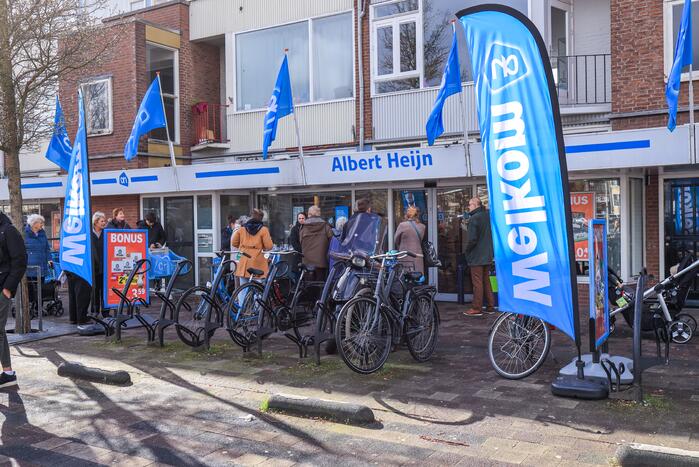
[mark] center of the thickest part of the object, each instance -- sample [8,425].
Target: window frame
[395,21]
[669,40]
[311,96]
[110,128]
[176,96]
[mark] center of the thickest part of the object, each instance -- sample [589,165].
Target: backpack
[428,251]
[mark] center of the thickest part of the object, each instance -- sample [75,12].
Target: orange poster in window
[583,210]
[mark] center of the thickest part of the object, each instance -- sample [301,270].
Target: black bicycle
[401,308]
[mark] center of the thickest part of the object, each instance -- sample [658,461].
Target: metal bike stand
[39,300]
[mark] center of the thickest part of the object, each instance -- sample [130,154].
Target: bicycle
[368,326]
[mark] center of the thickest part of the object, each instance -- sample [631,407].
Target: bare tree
[41,40]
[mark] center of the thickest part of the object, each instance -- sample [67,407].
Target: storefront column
[653,216]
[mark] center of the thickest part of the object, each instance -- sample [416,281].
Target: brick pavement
[202,408]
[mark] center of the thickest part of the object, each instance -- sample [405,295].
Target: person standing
[479,257]
[227,233]
[408,237]
[253,239]
[156,233]
[315,239]
[99,221]
[38,254]
[118,220]
[13,264]
[295,234]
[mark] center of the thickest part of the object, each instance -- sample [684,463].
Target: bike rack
[323,314]
[209,327]
[113,325]
[164,321]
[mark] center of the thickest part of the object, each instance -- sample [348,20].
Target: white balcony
[319,124]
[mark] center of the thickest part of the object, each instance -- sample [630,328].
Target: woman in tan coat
[408,237]
[252,238]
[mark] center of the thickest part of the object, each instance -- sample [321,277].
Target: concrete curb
[352,414]
[97,375]
[651,455]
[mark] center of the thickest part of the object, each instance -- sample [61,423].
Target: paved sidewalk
[203,408]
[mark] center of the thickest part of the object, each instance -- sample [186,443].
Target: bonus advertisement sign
[122,249]
[583,210]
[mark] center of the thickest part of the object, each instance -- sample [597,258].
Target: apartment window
[97,96]
[164,61]
[138,4]
[321,54]
[674,16]
[411,42]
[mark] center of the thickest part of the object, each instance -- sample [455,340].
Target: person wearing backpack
[408,237]
[479,257]
[13,265]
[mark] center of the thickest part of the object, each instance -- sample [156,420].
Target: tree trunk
[12,142]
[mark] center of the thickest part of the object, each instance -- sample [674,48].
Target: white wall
[592,27]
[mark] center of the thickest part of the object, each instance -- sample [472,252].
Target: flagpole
[173,162]
[467,153]
[692,149]
[296,126]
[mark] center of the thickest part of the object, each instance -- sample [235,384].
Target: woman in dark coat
[156,233]
[118,220]
[99,221]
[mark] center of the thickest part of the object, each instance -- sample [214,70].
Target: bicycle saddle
[256,272]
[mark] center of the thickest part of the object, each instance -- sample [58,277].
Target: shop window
[204,212]
[97,96]
[281,210]
[607,205]
[233,205]
[164,61]
[377,198]
[152,205]
[327,41]
[205,270]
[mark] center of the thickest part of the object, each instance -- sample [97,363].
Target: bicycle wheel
[421,328]
[363,335]
[242,311]
[190,315]
[518,345]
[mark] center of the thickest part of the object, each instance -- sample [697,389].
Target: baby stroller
[663,303]
[51,302]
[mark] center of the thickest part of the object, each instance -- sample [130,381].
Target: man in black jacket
[13,264]
[479,257]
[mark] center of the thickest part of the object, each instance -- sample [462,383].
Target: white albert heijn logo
[505,66]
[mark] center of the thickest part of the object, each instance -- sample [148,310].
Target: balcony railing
[583,79]
[209,120]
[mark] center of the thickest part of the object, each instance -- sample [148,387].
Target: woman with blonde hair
[408,237]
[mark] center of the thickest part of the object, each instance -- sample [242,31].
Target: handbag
[428,251]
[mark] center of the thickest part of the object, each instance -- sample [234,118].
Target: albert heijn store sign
[419,163]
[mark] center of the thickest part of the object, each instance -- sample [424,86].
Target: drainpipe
[362,11]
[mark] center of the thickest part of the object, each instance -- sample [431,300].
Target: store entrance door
[681,223]
[452,221]
[179,225]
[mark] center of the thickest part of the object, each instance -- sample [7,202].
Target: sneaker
[473,312]
[7,380]
[490,310]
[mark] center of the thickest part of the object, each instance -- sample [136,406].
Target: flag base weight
[595,370]
[572,386]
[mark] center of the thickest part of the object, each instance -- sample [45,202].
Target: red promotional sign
[122,249]
[583,210]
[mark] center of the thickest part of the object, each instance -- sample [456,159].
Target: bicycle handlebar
[397,254]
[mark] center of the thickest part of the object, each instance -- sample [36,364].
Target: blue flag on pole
[451,84]
[527,174]
[150,116]
[76,248]
[280,105]
[60,149]
[683,57]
